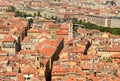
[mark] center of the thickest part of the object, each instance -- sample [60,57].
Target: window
[41,65]
[71,58]
[37,58]
[28,78]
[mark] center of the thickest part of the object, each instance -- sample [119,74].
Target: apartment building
[104,20]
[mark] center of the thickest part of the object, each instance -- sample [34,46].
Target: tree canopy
[88,25]
[22,14]
[11,9]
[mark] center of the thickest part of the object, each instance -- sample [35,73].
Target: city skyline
[59,40]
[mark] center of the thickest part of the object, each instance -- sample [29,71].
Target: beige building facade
[113,22]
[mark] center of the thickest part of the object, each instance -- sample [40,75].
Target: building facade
[113,22]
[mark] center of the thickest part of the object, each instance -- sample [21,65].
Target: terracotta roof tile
[3,51]
[92,77]
[8,73]
[71,78]
[26,39]
[62,32]
[24,61]
[29,70]
[64,27]
[118,73]
[87,67]
[112,49]
[85,57]
[47,50]
[118,61]
[59,69]
[36,31]
[48,46]
[20,77]
[9,39]
[78,49]
[32,52]
[116,56]
[15,59]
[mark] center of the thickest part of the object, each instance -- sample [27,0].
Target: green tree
[34,15]
[24,15]
[29,15]
[11,9]
[17,13]
[38,14]
[108,60]
[88,25]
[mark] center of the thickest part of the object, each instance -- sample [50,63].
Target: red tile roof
[118,73]
[92,77]
[78,49]
[85,57]
[87,67]
[118,61]
[37,31]
[24,61]
[48,46]
[46,50]
[9,39]
[26,39]
[20,77]
[112,49]
[3,51]
[53,25]
[8,73]
[29,70]
[116,56]
[15,59]
[59,69]
[76,70]
[71,78]
[62,32]
[64,27]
